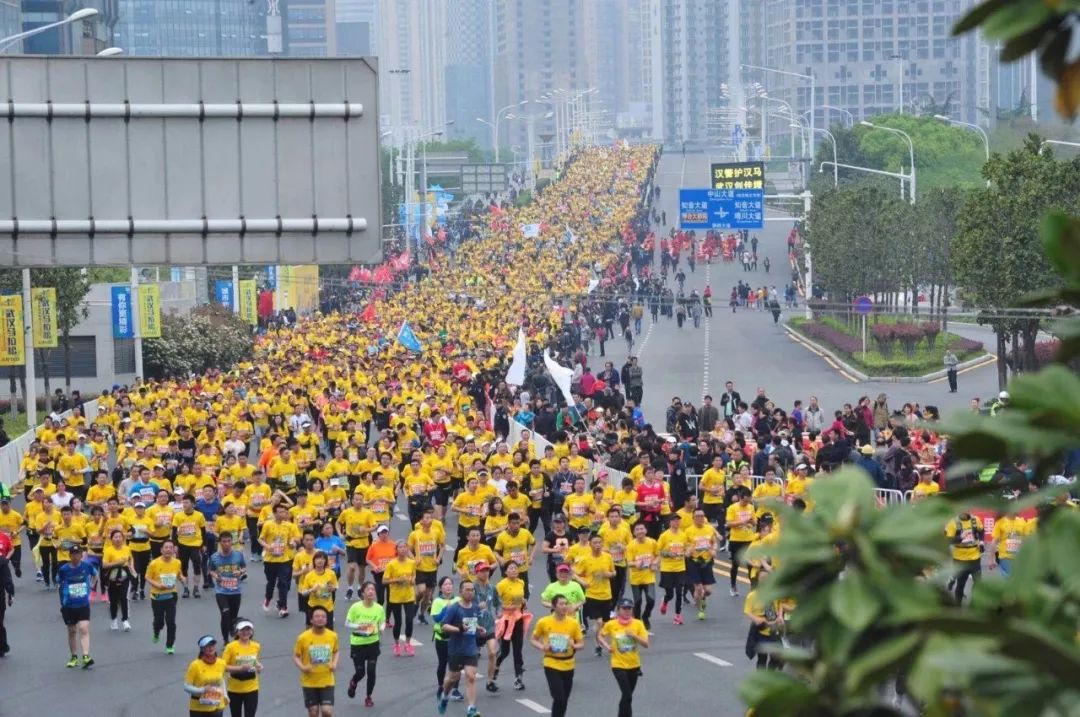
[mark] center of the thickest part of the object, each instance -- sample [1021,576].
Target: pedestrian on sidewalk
[950,367]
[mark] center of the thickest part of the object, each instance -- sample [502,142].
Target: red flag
[364,275]
[383,275]
[368,314]
[354,275]
[626,269]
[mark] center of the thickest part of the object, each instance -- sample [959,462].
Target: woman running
[400,579]
[319,585]
[444,599]
[205,680]
[141,526]
[242,664]
[623,637]
[163,574]
[559,637]
[117,567]
[365,620]
[513,622]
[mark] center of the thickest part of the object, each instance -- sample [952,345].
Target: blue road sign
[863,305]
[721,208]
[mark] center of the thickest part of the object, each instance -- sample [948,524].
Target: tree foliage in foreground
[210,337]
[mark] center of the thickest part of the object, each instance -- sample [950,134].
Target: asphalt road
[699,664]
[747,347]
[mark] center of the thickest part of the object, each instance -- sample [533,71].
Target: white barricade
[12,454]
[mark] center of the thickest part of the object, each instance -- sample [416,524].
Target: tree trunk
[1031,334]
[67,359]
[1002,367]
[45,372]
[1015,342]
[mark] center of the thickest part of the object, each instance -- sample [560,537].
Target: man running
[461,622]
[226,568]
[75,581]
[622,638]
[559,637]
[316,655]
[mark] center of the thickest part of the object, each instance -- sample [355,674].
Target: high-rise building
[412,62]
[210,28]
[86,37]
[355,27]
[872,56]
[471,27]
[540,48]
[309,28]
[10,18]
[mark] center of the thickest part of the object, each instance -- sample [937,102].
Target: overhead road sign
[721,208]
[738,175]
[154,161]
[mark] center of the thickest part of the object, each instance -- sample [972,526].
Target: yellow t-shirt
[281,537]
[238,654]
[357,526]
[72,469]
[1009,534]
[673,548]
[971,532]
[425,546]
[399,569]
[743,533]
[316,651]
[642,559]
[515,547]
[320,588]
[212,679]
[616,540]
[559,637]
[189,528]
[702,541]
[578,509]
[511,593]
[113,554]
[165,572]
[625,654]
[926,489]
[597,586]
[471,507]
[468,558]
[712,486]
[11,524]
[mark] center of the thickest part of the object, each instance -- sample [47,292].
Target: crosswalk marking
[713,659]
[534,706]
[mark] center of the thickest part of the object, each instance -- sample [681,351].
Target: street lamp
[111,52]
[911,149]
[841,110]
[827,133]
[969,125]
[494,124]
[86,12]
[1061,142]
[813,92]
[899,175]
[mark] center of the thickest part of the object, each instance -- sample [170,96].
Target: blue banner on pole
[223,293]
[271,276]
[721,208]
[122,325]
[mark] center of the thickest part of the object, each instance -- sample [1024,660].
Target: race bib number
[745,516]
[168,580]
[277,550]
[77,591]
[354,530]
[162,520]
[426,548]
[966,536]
[378,506]
[258,500]
[1012,543]
[518,556]
[228,583]
[338,481]
[67,545]
[288,479]
[577,511]
[210,696]
[628,509]
[702,544]
[618,552]
[139,531]
[468,624]
[624,642]
[558,644]
[676,550]
[643,562]
[187,530]
[319,654]
[365,629]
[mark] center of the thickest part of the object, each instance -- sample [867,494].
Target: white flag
[563,376]
[516,375]
[530,231]
[593,283]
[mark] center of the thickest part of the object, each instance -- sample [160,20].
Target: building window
[123,356]
[83,357]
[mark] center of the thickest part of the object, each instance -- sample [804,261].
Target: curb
[927,378]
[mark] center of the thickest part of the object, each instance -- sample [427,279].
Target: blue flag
[408,339]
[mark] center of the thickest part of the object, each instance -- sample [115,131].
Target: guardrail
[12,454]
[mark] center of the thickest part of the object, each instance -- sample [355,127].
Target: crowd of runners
[299,462]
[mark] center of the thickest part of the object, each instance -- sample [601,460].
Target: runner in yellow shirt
[623,638]
[673,545]
[642,557]
[559,637]
[319,586]
[427,542]
[204,680]
[243,667]
[704,543]
[400,577]
[316,655]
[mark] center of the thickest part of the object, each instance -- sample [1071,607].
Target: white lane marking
[648,333]
[400,516]
[534,706]
[415,643]
[713,659]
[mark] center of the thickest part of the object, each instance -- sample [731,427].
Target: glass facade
[192,28]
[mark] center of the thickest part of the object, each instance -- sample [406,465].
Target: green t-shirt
[365,623]
[437,606]
[572,591]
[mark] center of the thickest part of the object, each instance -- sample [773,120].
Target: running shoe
[142,594]
[351,692]
[73,662]
[440,705]
[647,623]
[422,619]
[196,593]
[283,613]
[678,619]
[114,625]
[397,649]
[87,662]
[700,614]
[492,687]
[170,650]
[266,606]
[155,638]
[349,594]
[126,626]
[733,592]
[368,702]
[186,593]
[456,696]
[663,607]
[39,578]
[472,711]
[599,651]
[518,684]
[410,650]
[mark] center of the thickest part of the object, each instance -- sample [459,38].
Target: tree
[209,337]
[998,257]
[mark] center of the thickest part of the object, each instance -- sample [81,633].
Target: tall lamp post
[8,42]
[911,150]
[494,124]
[969,125]
[813,92]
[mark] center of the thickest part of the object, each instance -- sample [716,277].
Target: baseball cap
[382,529]
[867,450]
[5,499]
[76,548]
[482,565]
[801,467]
[242,624]
[625,602]
[140,504]
[562,567]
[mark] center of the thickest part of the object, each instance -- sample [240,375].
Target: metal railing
[11,455]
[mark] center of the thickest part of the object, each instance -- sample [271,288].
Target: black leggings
[165,616]
[243,704]
[560,683]
[515,640]
[738,551]
[142,560]
[253,533]
[410,615]
[118,599]
[229,607]
[381,591]
[627,680]
[364,658]
[677,586]
[48,564]
[648,591]
[442,649]
[193,556]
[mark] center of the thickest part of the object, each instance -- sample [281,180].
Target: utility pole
[809,261]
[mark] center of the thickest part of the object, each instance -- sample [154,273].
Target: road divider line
[726,574]
[534,706]
[981,364]
[713,659]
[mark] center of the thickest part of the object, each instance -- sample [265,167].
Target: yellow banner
[285,296]
[43,317]
[149,311]
[249,301]
[12,343]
